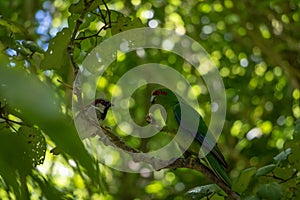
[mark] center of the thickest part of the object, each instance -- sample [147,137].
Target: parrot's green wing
[214,158]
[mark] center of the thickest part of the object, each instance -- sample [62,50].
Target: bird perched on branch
[101,106]
[87,123]
[214,159]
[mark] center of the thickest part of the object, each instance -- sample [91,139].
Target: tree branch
[188,162]
[110,139]
[79,21]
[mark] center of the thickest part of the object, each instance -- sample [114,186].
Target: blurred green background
[256,48]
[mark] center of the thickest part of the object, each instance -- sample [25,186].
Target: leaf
[294,146]
[203,191]
[37,145]
[80,6]
[77,7]
[125,23]
[265,170]
[282,156]
[87,21]
[23,51]
[289,189]
[270,191]
[12,26]
[33,47]
[251,198]
[42,109]
[242,182]
[294,158]
[296,133]
[284,172]
[33,107]
[56,55]
[49,190]
[114,15]
[5,39]
[9,160]
[87,45]
[72,20]
[55,151]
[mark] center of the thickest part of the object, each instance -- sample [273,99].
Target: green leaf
[265,170]
[17,159]
[284,172]
[77,7]
[282,156]
[33,47]
[3,31]
[5,39]
[270,191]
[289,189]
[37,145]
[42,103]
[114,15]
[12,26]
[56,56]
[9,155]
[55,151]
[87,21]
[125,23]
[23,50]
[242,182]
[296,133]
[43,110]
[49,190]
[294,158]
[80,6]
[72,20]
[294,145]
[203,191]
[87,45]
[251,198]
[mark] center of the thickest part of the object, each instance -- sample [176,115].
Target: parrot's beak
[149,119]
[152,100]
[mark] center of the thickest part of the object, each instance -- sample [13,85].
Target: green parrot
[214,159]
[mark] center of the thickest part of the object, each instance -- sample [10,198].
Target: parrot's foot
[191,161]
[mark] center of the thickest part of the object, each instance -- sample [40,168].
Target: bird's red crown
[159,92]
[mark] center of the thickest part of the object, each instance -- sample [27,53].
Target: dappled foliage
[255,45]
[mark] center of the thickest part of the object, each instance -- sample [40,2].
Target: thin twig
[93,35]
[70,49]
[108,12]
[79,21]
[65,84]
[10,120]
[104,27]
[294,175]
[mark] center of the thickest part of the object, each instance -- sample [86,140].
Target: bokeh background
[256,48]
